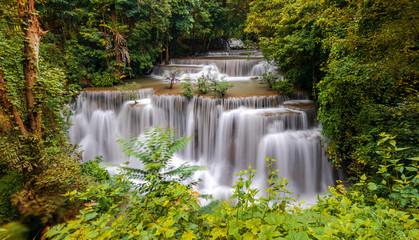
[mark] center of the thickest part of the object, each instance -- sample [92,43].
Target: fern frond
[155,148]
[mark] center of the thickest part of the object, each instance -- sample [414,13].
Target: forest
[356,59]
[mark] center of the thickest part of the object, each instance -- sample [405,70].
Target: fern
[155,149]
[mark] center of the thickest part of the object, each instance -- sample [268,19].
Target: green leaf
[90,216]
[274,218]
[92,235]
[234,230]
[191,226]
[372,186]
[188,235]
[297,236]
[400,169]
[411,169]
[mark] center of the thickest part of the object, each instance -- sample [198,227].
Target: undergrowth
[169,210]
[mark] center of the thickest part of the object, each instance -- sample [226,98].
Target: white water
[229,135]
[235,65]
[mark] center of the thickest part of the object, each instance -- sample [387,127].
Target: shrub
[220,88]
[94,170]
[47,172]
[106,79]
[187,87]
[210,82]
[172,211]
[128,90]
[284,87]
[396,179]
[10,183]
[270,78]
[203,85]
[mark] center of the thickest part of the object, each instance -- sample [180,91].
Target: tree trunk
[314,82]
[167,51]
[209,42]
[33,34]
[115,38]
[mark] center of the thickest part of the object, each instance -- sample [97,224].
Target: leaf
[188,235]
[217,233]
[297,236]
[191,226]
[234,230]
[274,218]
[372,186]
[411,169]
[400,169]
[92,235]
[90,216]
[54,231]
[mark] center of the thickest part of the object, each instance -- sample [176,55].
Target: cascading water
[231,66]
[239,67]
[229,135]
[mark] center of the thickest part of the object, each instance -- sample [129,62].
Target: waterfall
[231,67]
[228,134]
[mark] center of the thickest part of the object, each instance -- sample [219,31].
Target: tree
[360,55]
[172,77]
[33,147]
[289,35]
[371,81]
[32,33]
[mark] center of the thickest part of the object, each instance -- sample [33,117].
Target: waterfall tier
[229,134]
[229,68]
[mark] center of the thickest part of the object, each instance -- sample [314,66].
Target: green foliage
[203,84]
[284,87]
[38,171]
[290,36]
[112,39]
[103,196]
[167,212]
[155,150]
[209,82]
[128,90]
[371,79]
[94,170]
[104,79]
[220,88]
[10,183]
[47,172]
[396,179]
[270,78]
[345,215]
[360,60]
[187,88]
[172,211]
[277,83]
[14,230]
